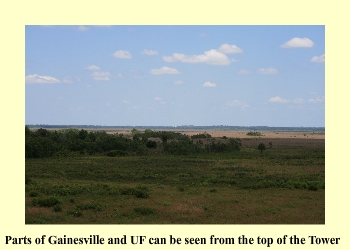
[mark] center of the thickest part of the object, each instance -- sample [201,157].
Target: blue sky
[175,75]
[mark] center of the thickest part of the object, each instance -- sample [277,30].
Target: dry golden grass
[240,134]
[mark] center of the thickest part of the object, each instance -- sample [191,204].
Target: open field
[240,134]
[284,185]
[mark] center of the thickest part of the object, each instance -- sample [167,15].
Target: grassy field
[284,185]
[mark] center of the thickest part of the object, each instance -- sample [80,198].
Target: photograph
[175,124]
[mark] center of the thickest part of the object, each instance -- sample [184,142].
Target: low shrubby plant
[46,201]
[145,211]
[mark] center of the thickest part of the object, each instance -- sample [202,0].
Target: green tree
[261,147]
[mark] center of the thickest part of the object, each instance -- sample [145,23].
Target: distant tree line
[46,143]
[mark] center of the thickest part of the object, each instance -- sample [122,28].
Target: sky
[175,75]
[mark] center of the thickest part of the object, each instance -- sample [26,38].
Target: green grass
[284,186]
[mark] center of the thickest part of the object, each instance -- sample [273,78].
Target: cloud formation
[298,42]
[298,100]
[101,76]
[213,56]
[41,79]
[164,70]
[237,103]
[150,52]
[123,54]
[320,59]
[92,67]
[317,100]
[268,71]
[68,79]
[209,85]
[278,99]
[230,49]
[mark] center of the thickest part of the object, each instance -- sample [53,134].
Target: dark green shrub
[57,208]
[33,194]
[46,201]
[28,180]
[251,133]
[198,136]
[138,192]
[91,206]
[141,194]
[75,213]
[151,144]
[261,147]
[145,211]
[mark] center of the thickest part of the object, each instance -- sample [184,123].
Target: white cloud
[212,56]
[268,71]
[179,82]
[209,85]
[68,79]
[317,100]
[244,72]
[157,98]
[298,42]
[278,99]
[320,59]
[237,103]
[92,67]
[150,52]
[101,76]
[122,54]
[164,70]
[298,100]
[125,101]
[41,79]
[230,49]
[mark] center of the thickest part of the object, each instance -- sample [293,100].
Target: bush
[151,144]
[75,213]
[145,211]
[57,208]
[139,192]
[46,201]
[91,206]
[251,133]
[198,136]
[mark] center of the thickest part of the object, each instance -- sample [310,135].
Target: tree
[261,147]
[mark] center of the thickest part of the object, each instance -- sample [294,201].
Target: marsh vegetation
[158,177]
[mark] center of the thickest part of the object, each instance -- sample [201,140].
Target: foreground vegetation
[178,181]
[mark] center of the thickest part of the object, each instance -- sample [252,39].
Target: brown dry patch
[38,210]
[265,134]
[240,134]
